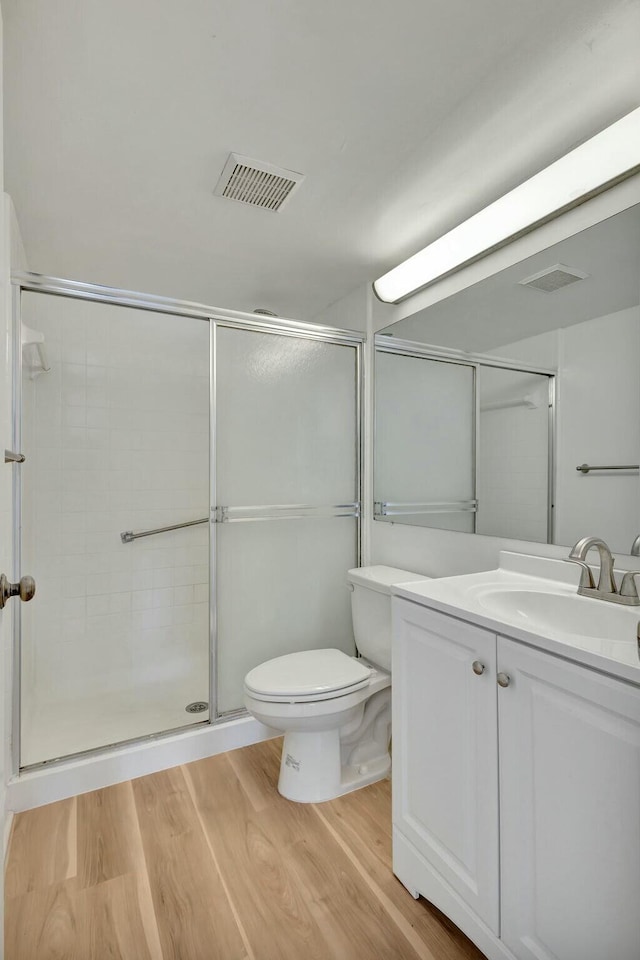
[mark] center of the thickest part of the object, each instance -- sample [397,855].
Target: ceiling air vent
[554,278]
[260,184]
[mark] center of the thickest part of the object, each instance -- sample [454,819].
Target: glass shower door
[287,492]
[115,429]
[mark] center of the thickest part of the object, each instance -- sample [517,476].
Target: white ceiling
[499,310]
[405,118]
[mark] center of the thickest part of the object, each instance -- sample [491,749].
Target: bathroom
[174,358]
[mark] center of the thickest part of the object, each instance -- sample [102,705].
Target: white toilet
[334,710]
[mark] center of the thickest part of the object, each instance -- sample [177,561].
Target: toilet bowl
[334,709]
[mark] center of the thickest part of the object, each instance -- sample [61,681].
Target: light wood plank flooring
[208,862]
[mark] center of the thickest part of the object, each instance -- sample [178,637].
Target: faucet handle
[586,576]
[628,587]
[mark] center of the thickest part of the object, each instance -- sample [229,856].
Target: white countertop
[471,597]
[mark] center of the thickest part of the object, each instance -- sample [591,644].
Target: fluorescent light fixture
[608,157]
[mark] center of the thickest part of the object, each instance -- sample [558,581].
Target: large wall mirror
[512,408]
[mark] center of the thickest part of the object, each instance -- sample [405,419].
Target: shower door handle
[25,589]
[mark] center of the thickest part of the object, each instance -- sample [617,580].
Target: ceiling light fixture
[605,159]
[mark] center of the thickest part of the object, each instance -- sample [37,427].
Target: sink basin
[535,600]
[563,613]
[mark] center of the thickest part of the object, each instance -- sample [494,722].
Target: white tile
[184,575]
[75,542]
[73,352]
[162,616]
[201,574]
[74,586]
[97,606]
[120,602]
[183,614]
[97,438]
[183,595]
[73,384]
[74,607]
[97,417]
[142,580]
[97,584]
[72,566]
[163,597]
[120,582]
[163,577]
[142,599]
[201,593]
[74,629]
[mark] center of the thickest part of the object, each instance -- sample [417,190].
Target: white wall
[599,423]
[6,540]
[117,438]
[349,312]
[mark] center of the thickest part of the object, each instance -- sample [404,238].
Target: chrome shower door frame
[331,335]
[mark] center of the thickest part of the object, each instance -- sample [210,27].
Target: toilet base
[319,765]
[310,769]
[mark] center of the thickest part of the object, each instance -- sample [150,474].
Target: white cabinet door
[570,810]
[445,763]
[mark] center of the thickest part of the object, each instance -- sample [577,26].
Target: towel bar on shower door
[585,467]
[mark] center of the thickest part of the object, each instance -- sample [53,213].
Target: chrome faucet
[606,589]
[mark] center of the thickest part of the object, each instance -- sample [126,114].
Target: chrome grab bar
[128,535]
[585,467]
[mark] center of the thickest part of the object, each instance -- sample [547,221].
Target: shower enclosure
[189,504]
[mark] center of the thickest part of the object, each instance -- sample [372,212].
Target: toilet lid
[306,674]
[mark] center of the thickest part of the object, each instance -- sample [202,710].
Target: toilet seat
[307,676]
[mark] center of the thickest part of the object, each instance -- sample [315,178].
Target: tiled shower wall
[117,438]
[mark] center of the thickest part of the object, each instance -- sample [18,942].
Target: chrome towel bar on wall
[128,535]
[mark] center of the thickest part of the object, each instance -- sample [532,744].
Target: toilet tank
[371,609]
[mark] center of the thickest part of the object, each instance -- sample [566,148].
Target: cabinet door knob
[503,679]
[477,667]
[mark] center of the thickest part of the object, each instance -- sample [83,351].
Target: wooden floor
[209,862]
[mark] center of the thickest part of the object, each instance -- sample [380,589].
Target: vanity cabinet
[445,753]
[516,808]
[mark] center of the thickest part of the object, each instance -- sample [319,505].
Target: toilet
[334,710]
